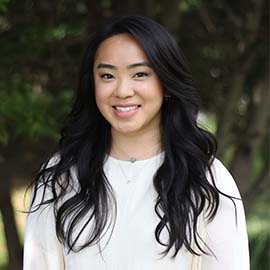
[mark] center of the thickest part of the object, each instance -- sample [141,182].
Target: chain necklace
[132,160]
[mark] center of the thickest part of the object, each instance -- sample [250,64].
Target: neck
[140,147]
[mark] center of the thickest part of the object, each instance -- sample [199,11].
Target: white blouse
[129,243]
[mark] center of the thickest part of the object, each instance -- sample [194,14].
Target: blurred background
[42,42]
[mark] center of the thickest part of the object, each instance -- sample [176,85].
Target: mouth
[125,112]
[126,108]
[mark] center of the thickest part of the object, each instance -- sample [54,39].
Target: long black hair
[183,190]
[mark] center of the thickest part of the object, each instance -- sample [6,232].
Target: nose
[123,89]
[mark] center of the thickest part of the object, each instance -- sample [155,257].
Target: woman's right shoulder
[51,161]
[42,187]
[49,183]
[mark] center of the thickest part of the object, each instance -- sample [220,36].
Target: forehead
[120,48]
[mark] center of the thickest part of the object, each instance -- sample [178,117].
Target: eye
[106,76]
[141,75]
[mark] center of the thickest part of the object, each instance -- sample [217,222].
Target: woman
[135,183]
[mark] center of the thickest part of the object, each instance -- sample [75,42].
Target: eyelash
[145,74]
[107,74]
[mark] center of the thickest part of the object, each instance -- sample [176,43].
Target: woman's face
[128,92]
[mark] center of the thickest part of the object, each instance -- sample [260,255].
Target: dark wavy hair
[183,190]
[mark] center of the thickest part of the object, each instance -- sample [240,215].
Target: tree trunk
[250,142]
[246,58]
[226,115]
[12,238]
[14,169]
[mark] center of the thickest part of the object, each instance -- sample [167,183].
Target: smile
[126,109]
[124,112]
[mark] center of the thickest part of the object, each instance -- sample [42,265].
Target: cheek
[100,98]
[153,92]
[102,105]
[97,95]
[102,93]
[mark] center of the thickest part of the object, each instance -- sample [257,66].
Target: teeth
[126,109]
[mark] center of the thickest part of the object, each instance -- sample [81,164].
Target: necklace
[155,148]
[132,160]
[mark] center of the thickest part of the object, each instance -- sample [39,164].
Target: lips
[126,111]
[126,108]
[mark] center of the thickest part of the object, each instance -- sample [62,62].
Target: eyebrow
[140,64]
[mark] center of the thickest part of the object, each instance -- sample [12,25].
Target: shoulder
[52,161]
[42,188]
[56,181]
[227,226]
[230,214]
[223,179]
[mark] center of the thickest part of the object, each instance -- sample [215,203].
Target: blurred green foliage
[259,242]
[25,113]
[4,5]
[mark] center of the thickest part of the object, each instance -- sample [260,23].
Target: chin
[126,130]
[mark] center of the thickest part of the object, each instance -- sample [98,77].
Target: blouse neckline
[126,162]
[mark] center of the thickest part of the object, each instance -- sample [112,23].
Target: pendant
[132,159]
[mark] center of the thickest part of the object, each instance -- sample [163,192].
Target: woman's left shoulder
[224,180]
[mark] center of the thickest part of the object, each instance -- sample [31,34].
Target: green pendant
[132,159]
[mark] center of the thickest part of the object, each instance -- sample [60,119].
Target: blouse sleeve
[42,250]
[226,238]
